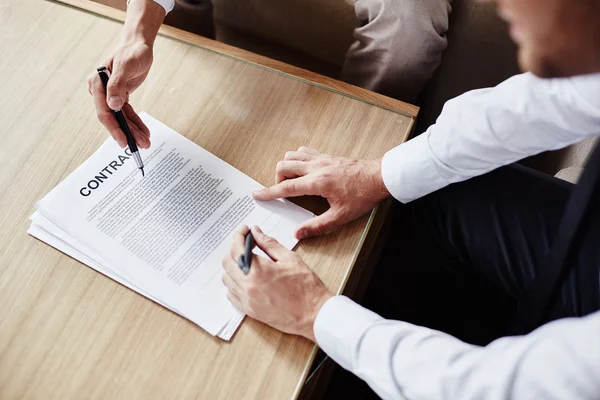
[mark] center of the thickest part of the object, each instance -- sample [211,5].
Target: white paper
[162,235]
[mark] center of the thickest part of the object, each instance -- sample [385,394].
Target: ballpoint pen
[245,259]
[104,75]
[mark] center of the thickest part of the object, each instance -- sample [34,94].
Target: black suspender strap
[584,199]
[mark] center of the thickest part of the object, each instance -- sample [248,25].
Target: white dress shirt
[166,4]
[560,360]
[487,128]
[476,133]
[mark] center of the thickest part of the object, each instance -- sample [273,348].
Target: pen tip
[142,171]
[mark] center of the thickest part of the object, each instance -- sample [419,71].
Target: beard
[560,58]
[541,65]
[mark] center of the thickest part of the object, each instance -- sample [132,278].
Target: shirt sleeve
[166,4]
[484,129]
[560,360]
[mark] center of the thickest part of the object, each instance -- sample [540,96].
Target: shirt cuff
[340,326]
[409,171]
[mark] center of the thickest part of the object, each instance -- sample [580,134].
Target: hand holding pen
[129,64]
[122,122]
[114,98]
[245,260]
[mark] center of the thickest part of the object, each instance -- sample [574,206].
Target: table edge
[290,71]
[377,212]
[279,67]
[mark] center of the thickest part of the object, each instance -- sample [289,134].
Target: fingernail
[301,234]
[115,103]
[257,229]
[254,194]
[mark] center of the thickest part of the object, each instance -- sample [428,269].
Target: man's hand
[352,187]
[282,291]
[129,66]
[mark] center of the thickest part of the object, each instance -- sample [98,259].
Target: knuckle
[252,291]
[325,175]
[104,116]
[230,253]
[266,192]
[249,309]
[233,300]
[280,165]
[319,181]
[314,186]
[270,240]
[288,155]
[319,229]
[322,162]
[257,273]
[114,84]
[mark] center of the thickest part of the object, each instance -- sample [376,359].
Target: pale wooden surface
[364,95]
[68,332]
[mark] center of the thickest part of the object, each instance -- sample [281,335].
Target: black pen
[104,75]
[246,259]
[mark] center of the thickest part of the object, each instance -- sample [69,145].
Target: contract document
[162,235]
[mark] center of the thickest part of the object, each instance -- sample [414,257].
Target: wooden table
[67,331]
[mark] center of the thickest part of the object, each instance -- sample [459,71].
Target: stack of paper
[163,235]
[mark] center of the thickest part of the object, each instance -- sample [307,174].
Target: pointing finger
[288,188]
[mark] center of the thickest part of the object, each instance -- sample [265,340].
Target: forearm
[484,129]
[142,22]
